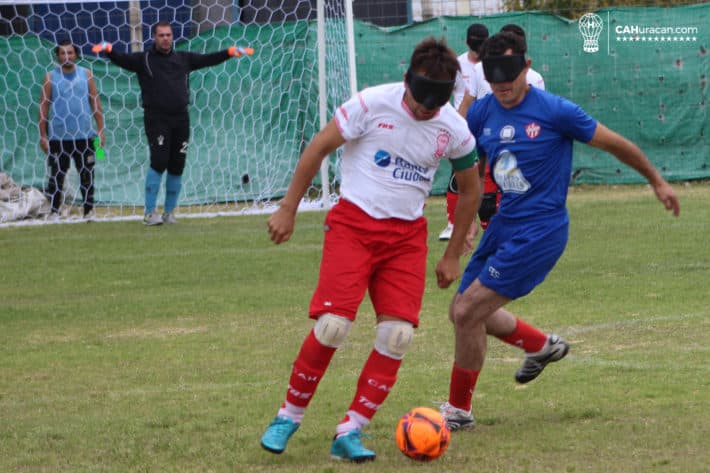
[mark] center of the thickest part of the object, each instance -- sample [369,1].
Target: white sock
[294,413]
[354,421]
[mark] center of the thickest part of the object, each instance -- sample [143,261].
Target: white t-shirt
[479,86]
[535,79]
[463,78]
[389,159]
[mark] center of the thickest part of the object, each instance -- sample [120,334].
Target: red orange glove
[102,47]
[236,51]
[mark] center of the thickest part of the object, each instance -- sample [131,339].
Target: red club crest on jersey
[532,130]
[442,141]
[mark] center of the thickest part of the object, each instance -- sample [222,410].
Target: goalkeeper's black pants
[168,138]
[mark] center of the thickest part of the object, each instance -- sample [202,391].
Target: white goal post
[250,117]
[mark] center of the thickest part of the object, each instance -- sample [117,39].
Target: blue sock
[173,184]
[152,186]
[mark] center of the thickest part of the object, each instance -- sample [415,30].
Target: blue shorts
[515,256]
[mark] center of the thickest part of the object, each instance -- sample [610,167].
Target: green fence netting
[249,117]
[251,121]
[653,92]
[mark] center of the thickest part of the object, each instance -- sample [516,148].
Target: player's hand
[102,47]
[447,271]
[236,51]
[666,194]
[470,237]
[281,225]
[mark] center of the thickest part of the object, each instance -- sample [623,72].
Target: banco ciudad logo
[382,158]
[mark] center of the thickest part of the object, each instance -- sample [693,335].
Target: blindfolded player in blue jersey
[527,135]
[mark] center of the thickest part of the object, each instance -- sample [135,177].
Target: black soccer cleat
[554,350]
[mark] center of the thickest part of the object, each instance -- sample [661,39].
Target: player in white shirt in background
[475,35]
[532,77]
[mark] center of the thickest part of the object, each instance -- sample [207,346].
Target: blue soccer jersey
[529,148]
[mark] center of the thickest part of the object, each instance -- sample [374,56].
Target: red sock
[526,337]
[451,200]
[376,381]
[308,369]
[463,383]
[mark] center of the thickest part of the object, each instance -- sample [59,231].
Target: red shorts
[386,257]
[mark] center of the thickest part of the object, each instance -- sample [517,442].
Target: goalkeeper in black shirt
[163,77]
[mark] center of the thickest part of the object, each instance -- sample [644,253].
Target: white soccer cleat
[169,218]
[152,218]
[457,419]
[446,232]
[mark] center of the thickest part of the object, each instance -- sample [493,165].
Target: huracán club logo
[591,26]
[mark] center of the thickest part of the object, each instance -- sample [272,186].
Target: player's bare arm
[281,222]
[95,103]
[44,103]
[466,102]
[630,154]
[469,182]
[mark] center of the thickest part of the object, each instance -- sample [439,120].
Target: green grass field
[132,349]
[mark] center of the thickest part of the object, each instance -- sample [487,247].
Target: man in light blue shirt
[67,105]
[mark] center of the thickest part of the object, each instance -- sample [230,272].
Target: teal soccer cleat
[349,447]
[277,434]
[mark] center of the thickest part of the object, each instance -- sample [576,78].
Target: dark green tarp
[252,116]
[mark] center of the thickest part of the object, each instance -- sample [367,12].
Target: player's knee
[458,315]
[331,330]
[394,338]
[463,313]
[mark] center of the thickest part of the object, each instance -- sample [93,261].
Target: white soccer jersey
[463,79]
[535,79]
[390,158]
[479,86]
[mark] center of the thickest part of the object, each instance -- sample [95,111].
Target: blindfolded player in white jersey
[394,136]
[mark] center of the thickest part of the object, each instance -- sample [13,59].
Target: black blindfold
[474,43]
[503,68]
[429,92]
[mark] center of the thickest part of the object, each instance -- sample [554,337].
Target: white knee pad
[393,338]
[331,330]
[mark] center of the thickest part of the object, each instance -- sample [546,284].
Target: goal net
[250,117]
